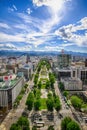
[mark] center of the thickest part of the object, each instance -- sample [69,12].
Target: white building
[72,84]
[8,94]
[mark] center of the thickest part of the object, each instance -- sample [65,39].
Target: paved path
[13,115]
[44,93]
[63,111]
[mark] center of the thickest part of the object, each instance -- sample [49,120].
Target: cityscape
[43,65]
[44,90]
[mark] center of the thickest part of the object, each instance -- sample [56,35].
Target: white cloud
[52,48]
[56,8]
[29,11]
[10,46]
[4,25]
[14,7]
[10,9]
[35,31]
[70,32]
[7,46]
[11,38]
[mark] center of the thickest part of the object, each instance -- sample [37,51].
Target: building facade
[9,94]
[72,84]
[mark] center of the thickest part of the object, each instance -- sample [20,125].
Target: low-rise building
[72,84]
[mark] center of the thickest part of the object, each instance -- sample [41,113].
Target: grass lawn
[43,103]
[43,86]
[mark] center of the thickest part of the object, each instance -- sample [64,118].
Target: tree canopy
[65,122]
[69,124]
[73,126]
[76,102]
[22,124]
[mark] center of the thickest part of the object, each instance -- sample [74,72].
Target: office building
[64,60]
[10,88]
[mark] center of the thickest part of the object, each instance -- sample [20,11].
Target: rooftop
[12,84]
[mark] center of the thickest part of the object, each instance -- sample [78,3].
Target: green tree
[36,78]
[47,84]
[38,93]
[61,86]
[30,101]
[39,84]
[15,126]
[35,85]
[76,102]
[25,86]
[57,103]
[50,104]
[65,122]
[52,79]
[73,126]
[50,95]
[66,93]
[24,123]
[37,104]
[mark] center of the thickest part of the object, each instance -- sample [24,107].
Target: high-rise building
[64,60]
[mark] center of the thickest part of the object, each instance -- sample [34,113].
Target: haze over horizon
[43,25]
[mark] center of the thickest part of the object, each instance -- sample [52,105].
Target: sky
[43,25]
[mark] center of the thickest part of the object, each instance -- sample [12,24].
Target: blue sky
[43,25]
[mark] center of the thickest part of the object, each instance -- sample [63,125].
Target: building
[82,74]
[12,67]
[9,90]
[64,60]
[72,84]
[85,62]
[27,70]
[73,72]
[66,72]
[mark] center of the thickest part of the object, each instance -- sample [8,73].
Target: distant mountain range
[39,53]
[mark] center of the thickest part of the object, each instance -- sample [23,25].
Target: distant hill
[39,53]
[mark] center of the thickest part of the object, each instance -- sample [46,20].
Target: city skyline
[43,25]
